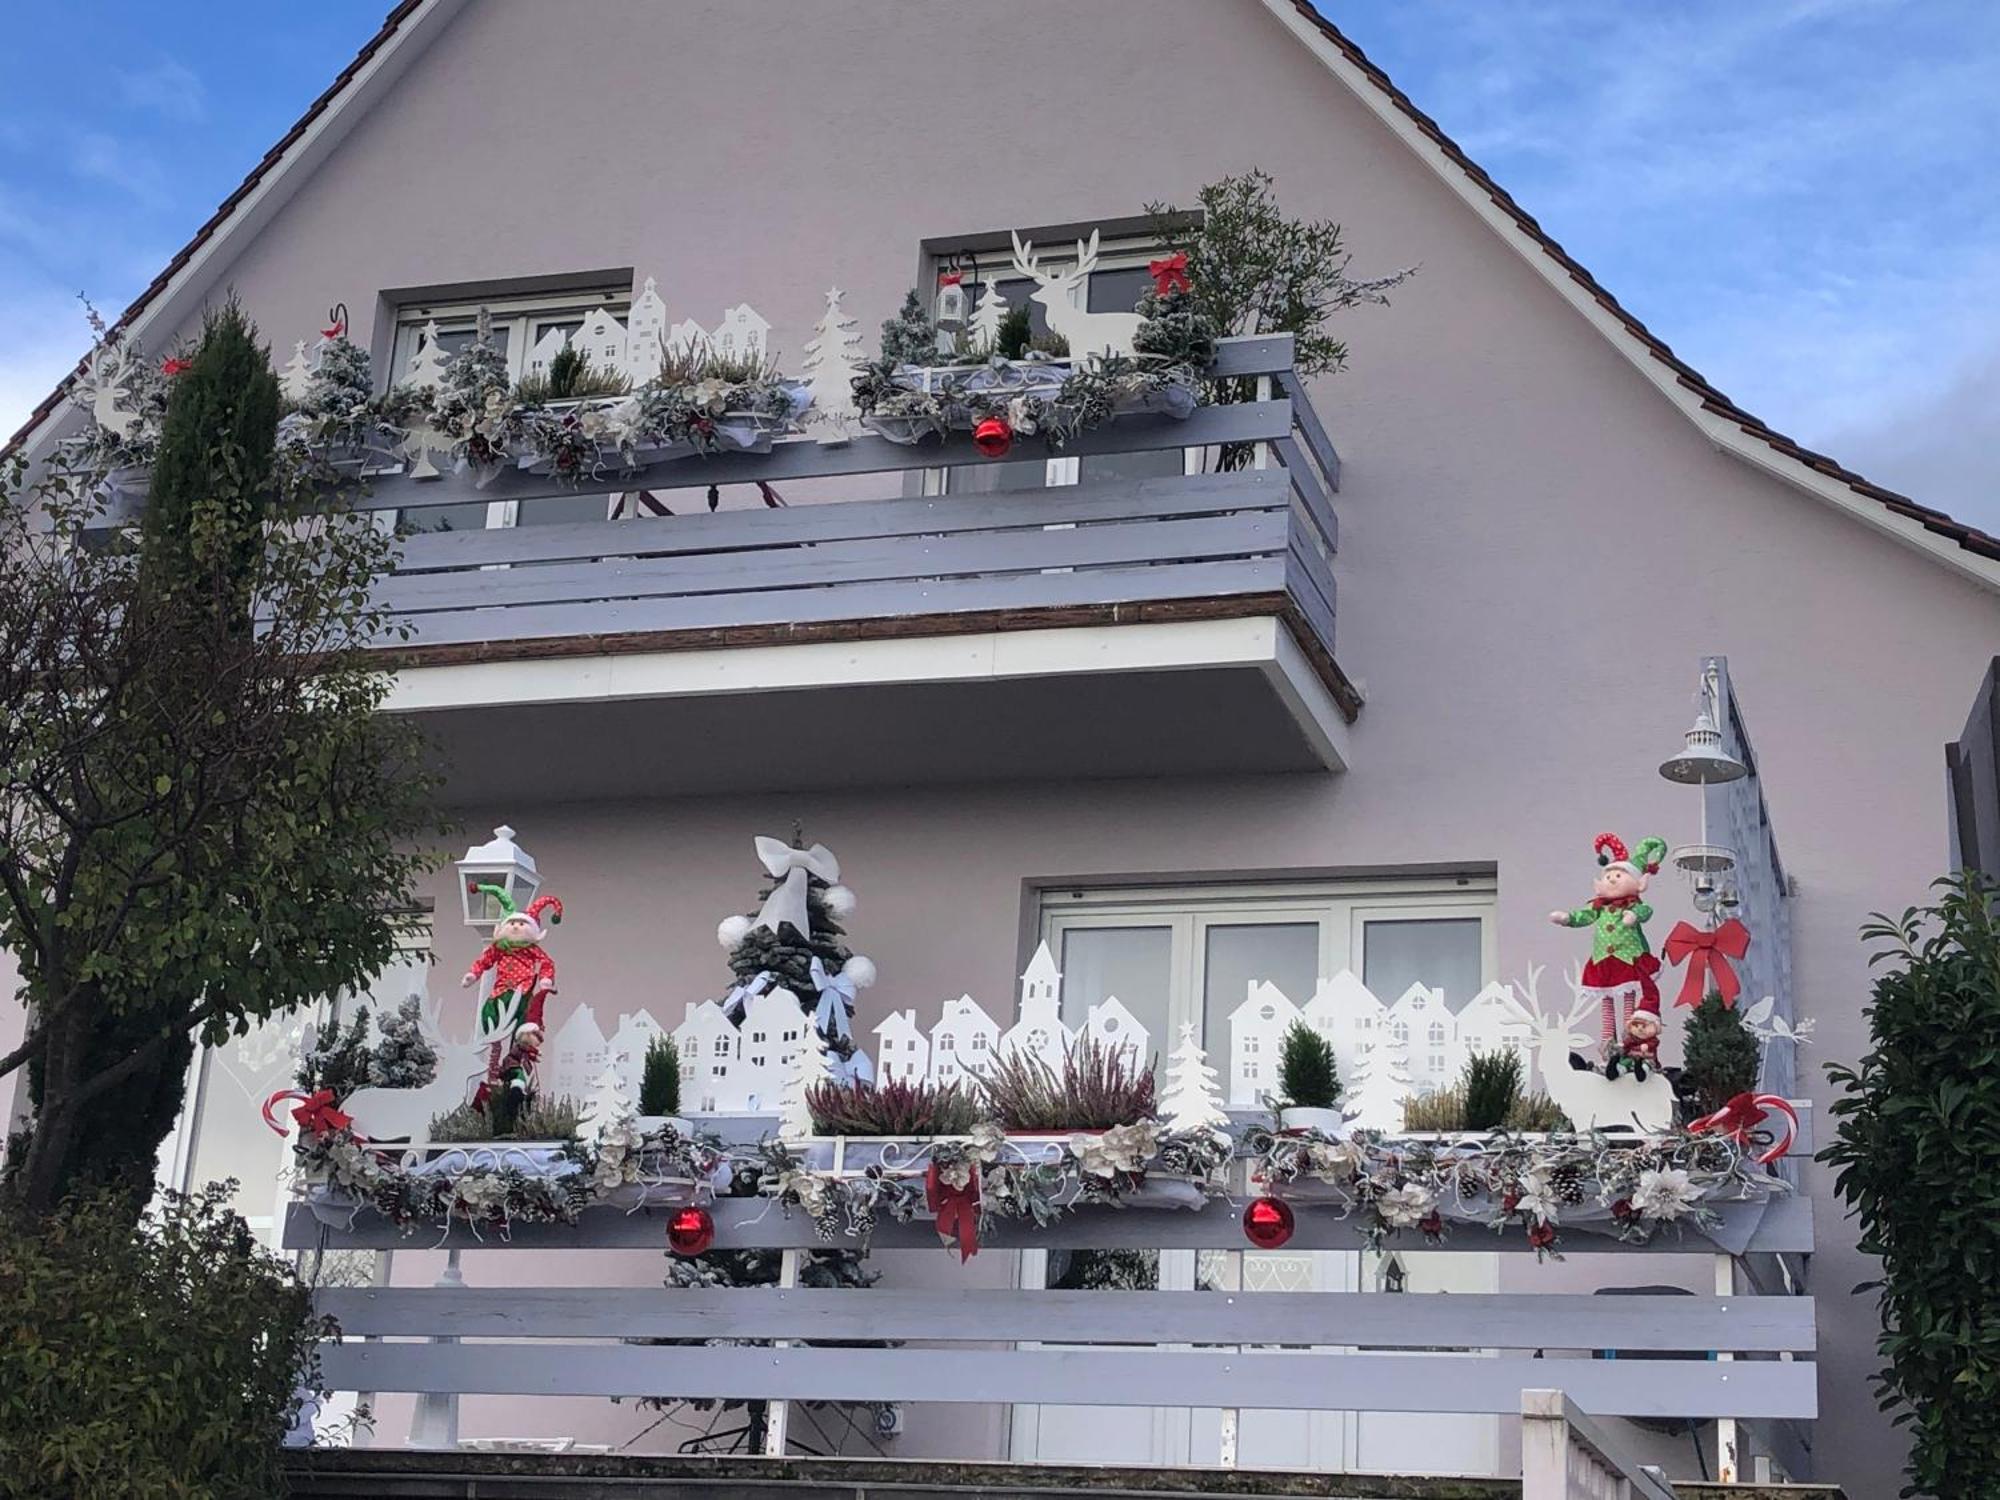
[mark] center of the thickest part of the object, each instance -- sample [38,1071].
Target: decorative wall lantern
[1704,763]
[502,864]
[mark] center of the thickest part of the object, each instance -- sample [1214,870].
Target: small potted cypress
[660,1087]
[1308,1082]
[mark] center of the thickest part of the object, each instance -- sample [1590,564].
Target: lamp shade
[499,864]
[1703,761]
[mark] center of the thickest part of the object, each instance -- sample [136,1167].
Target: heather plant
[1097,1088]
[895,1106]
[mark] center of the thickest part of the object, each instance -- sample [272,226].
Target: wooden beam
[1273,1380]
[1551,1320]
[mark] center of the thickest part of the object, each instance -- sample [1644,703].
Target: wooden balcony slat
[1316,441]
[1783,1224]
[1243,422]
[1254,354]
[1312,588]
[874,560]
[1377,1319]
[1161,498]
[1259,1380]
[1033,592]
[1312,500]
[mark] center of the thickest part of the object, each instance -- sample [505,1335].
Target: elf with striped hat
[524,976]
[1622,964]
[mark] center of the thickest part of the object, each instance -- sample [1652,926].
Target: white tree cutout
[833,359]
[426,367]
[609,1104]
[1383,1086]
[988,316]
[296,378]
[809,1068]
[1193,1101]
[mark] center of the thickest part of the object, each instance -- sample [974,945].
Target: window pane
[992,478]
[553,510]
[1148,463]
[1442,955]
[1118,291]
[1133,963]
[1239,954]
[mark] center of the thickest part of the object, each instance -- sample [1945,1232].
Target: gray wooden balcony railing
[1254,541]
[1741,1360]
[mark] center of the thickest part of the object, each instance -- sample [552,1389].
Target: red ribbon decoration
[170,367]
[316,1114]
[1707,955]
[950,278]
[1170,273]
[1743,1114]
[957,1211]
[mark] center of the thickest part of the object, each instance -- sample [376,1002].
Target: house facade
[1195,818]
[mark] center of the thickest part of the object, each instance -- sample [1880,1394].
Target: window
[947,1043]
[1176,956]
[978,1041]
[527,330]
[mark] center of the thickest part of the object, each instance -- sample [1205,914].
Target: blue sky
[1799,195]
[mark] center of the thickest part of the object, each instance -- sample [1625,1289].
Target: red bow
[171,367]
[950,278]
[1743,1114]
[1707,956]
[1170,274]
[1612,903]
[957,1210]
[318,1116]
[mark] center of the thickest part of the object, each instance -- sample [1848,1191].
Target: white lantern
[498,865]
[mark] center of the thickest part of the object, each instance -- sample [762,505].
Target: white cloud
[166,88]
[122,164]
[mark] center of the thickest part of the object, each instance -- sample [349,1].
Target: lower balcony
[1175,624]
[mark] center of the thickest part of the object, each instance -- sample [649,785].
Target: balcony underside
[1148,698]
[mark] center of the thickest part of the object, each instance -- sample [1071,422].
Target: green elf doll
[1622,964]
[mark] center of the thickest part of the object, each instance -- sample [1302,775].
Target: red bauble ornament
[691,1231]
[993,437]
[1267,1222]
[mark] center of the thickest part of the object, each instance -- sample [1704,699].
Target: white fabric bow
[836,1001]
[736,1003]
[790,867]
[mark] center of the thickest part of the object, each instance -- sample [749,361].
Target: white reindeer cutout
[1064,295]
[406,1114]
[1592,1101]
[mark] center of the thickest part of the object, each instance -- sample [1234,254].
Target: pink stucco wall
[1536,548]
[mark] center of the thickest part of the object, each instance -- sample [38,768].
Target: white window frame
[1341,908]
[520,316]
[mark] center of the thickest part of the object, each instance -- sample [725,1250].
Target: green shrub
[1916,1157]
[1721,1056]
[166,1361]
[1491,1082]
[1308,1076]
[660,1083]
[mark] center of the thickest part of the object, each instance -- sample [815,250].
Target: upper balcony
[1182,623]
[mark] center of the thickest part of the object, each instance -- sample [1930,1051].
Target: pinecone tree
[787,954]
[1721,1056]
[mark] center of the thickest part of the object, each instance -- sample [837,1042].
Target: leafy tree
[1256,271]
[1916,1157]
[1720,1056]
[169,1361]
[1308,1076]
[206,819]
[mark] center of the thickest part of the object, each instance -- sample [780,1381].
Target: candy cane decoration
[1743,1114]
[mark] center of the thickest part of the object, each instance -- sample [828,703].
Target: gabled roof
[1966,548]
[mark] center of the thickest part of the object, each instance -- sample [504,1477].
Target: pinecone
[1568,1181]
